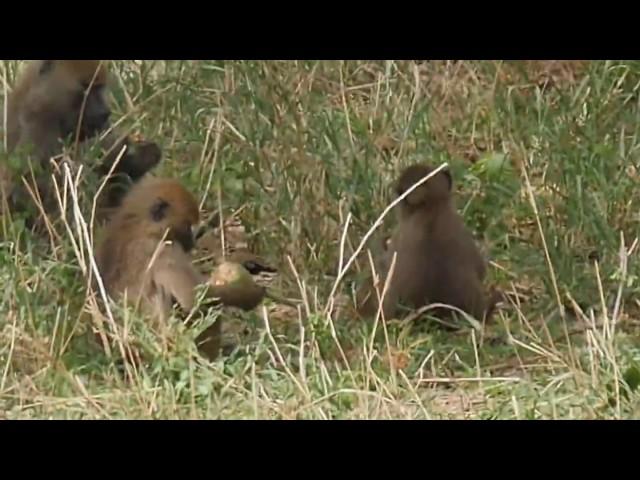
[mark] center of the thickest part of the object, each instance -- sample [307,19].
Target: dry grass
[544,155]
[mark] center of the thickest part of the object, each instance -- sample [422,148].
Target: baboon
[54,101]
[138,159]
[145,255]
[437,260]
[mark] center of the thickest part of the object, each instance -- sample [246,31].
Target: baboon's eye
[159,210]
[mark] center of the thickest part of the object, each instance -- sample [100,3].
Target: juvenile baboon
[437,260]
[144,254]
[55,101]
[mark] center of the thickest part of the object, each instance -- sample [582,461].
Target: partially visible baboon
[139,158]
[144,254]
[437,260]
[56,101]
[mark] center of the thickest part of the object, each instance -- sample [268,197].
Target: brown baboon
[54,101]
[437,260]
[144,254]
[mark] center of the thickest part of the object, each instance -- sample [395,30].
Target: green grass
[545,160]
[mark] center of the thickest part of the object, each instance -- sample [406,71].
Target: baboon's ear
[159,210]
[46,67]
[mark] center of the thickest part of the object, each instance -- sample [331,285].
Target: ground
[544,157]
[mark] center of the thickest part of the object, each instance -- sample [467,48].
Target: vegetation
[545,160]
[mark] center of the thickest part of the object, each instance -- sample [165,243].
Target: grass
[545,160]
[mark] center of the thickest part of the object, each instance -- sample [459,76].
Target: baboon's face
[91,114]
[73,95]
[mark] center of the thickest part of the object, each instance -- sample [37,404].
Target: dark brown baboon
[437,260]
